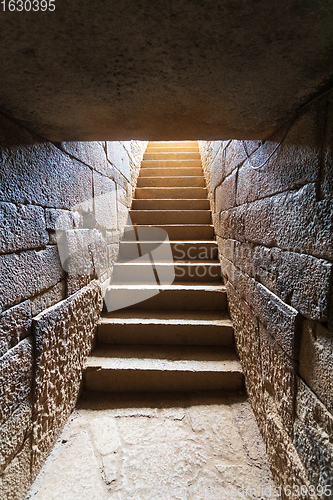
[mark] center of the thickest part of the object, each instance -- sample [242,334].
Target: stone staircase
[167,328]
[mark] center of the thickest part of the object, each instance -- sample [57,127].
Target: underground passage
[166,251]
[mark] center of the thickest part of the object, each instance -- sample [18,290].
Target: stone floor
[158,446]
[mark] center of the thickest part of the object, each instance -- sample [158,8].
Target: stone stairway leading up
[165,331]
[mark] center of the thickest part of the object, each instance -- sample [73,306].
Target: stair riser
[177,192]
[190,181]
[180,251]
[148,233]
[171,156]
[170,163]
[169,144]
[115,380]
[171,172]
[163,204]
[170,217]
[143,273]
[177,300]
[168,334]
[174,149]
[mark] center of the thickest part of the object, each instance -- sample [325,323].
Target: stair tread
[164,357]
[179,286]
[193,262]
[166,317]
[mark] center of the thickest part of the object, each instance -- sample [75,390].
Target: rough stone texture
[28,273]
[41,174]
[15,481]
[21,227]
[276,255]
[316,361]
[16,378]
[15,325]
[83,253]
[64,336]
[57,219]
[105,201]
[48,298]
[218,76]
[90,153]
[313,437]
[158,446]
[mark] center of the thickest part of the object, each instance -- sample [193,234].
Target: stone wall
[274,230]
[63,208]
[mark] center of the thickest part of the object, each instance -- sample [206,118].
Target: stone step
[174,149]
[171,156]
[170,216]
[181,250]
[171,192]
[162,163]
[171,171]
[169,181]
[170,204]
[167,272]
[162,368]
[147,232]
[172,144]
[168,328]
[180,297]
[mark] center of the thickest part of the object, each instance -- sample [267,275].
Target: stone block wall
[63,208]
[274,230]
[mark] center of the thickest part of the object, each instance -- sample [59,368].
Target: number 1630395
[27,5]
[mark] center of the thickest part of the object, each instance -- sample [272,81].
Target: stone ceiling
[168,69]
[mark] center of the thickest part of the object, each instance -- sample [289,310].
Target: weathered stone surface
[42,174]
[15,325]
[316,361]
[313,437]
[280,320]
[105,201]
[16,480]
[298,279]
[13,432]
[48,298]
[21,227]
[90,153]
[15,378]
[64,336]
[293,221]
[248,348]
[122,212]
[232,223]
[118,157]
[83,253]
[326,185]
[235,155]
[278,377]
[28,273]
[299,154]
[58,219]
[225,193]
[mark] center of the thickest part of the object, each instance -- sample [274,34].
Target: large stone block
[293,221]
[301,280]
[16,378]
[58,219]
[105,202]
[313,438]
[118,157]
[316,361]
[90,153]
[21,227]
[248,348]
[235,154]
[83,253]
[28,273]
[64,335]
[278,373]
[295,163]
[41,174]
[232,223]
[225,193]
[15,325]
[17,478]
[48,298]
